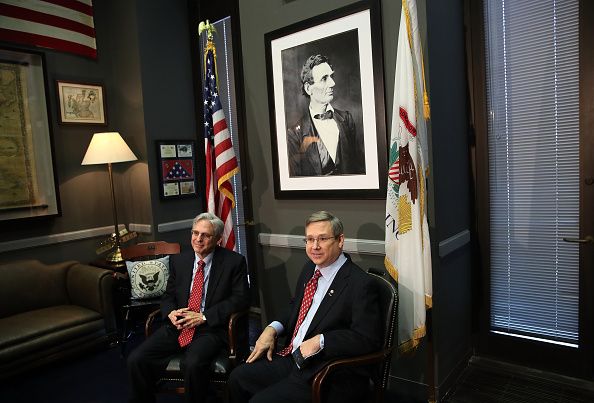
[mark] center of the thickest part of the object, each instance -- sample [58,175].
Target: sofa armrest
[92,288]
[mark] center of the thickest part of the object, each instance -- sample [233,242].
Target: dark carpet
[95,377]
[488,382]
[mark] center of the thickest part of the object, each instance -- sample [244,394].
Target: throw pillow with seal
[148,278]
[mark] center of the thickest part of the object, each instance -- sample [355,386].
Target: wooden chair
[388,302]
[139,252]
[173,381]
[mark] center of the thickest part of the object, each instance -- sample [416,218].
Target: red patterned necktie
[185,336]
[308,294]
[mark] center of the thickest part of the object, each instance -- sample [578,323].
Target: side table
[128,311]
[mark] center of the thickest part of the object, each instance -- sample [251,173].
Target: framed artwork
[28,183]
[326,103]
[177,169]
[81,103]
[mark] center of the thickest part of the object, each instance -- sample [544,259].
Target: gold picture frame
[28,183]
[81,103]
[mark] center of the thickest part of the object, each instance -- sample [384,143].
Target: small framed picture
[177,169]
[81,103]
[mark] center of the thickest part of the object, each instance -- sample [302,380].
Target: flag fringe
[426,108]
[391,269]
[428,301]
[211,46]
[222,189]
[410,346]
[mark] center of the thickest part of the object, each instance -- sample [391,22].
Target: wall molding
[360,246]
[351,245]
[52,239]
[142,228]
[175,225]
[453,243]
[56,238]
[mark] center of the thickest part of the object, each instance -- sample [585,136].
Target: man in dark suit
[334,314]
[205,286]
[324,141]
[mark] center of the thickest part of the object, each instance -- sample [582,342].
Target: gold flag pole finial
[208,27]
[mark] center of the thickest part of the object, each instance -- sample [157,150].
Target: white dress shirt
[328,131]
[324,282]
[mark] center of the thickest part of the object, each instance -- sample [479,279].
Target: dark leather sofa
[48,312]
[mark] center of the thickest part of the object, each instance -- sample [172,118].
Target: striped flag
[221,163]
[64,25]
[408,253]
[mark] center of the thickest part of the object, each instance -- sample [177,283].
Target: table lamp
[109,148]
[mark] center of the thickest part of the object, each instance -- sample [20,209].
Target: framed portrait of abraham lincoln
[326,104]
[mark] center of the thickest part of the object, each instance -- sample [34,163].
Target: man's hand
[265,343]
[310,346]
[185,318]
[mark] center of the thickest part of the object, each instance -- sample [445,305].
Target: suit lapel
[216,270]
[338,287]
[184,272]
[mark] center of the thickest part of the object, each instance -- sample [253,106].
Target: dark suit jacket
[349,317]
[302,144]
[227,288]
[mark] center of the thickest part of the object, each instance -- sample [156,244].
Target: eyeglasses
[201,235]
[322,240]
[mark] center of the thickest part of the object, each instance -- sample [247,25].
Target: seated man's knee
[134,358]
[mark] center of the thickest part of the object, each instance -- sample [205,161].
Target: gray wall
[278,268]
[144,64]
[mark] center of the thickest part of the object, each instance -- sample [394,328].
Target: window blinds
[533,135]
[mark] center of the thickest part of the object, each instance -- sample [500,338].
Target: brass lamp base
[115,256]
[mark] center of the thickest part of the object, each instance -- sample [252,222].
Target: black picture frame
[176,164]
[28,176]
[350,38]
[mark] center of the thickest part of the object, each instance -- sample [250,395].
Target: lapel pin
[331,293]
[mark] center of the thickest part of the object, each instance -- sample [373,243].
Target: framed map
[27,178]
[81,103]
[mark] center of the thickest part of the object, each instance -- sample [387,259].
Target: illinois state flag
[408,252]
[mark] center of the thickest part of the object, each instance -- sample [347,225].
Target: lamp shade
[106,148]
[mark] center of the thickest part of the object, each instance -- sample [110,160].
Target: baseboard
[444,387]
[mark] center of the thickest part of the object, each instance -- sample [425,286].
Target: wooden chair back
[150,249]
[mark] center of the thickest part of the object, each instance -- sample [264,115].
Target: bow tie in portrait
[323,116]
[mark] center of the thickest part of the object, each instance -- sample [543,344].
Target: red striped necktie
[185,336]
[308,294]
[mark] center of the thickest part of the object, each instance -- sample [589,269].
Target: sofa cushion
[40,328]
[29,285]
[148,278]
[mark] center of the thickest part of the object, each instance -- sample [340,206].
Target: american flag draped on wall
[408,253]
[64,25]
[221,163]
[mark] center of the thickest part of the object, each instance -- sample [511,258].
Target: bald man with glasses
[334,314]
[206,285]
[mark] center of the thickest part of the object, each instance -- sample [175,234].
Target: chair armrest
[367,359]
[235,333]
[92,288]
[148,325]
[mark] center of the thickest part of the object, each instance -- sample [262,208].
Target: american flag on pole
[221,163]
[64,25]
[408,253]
